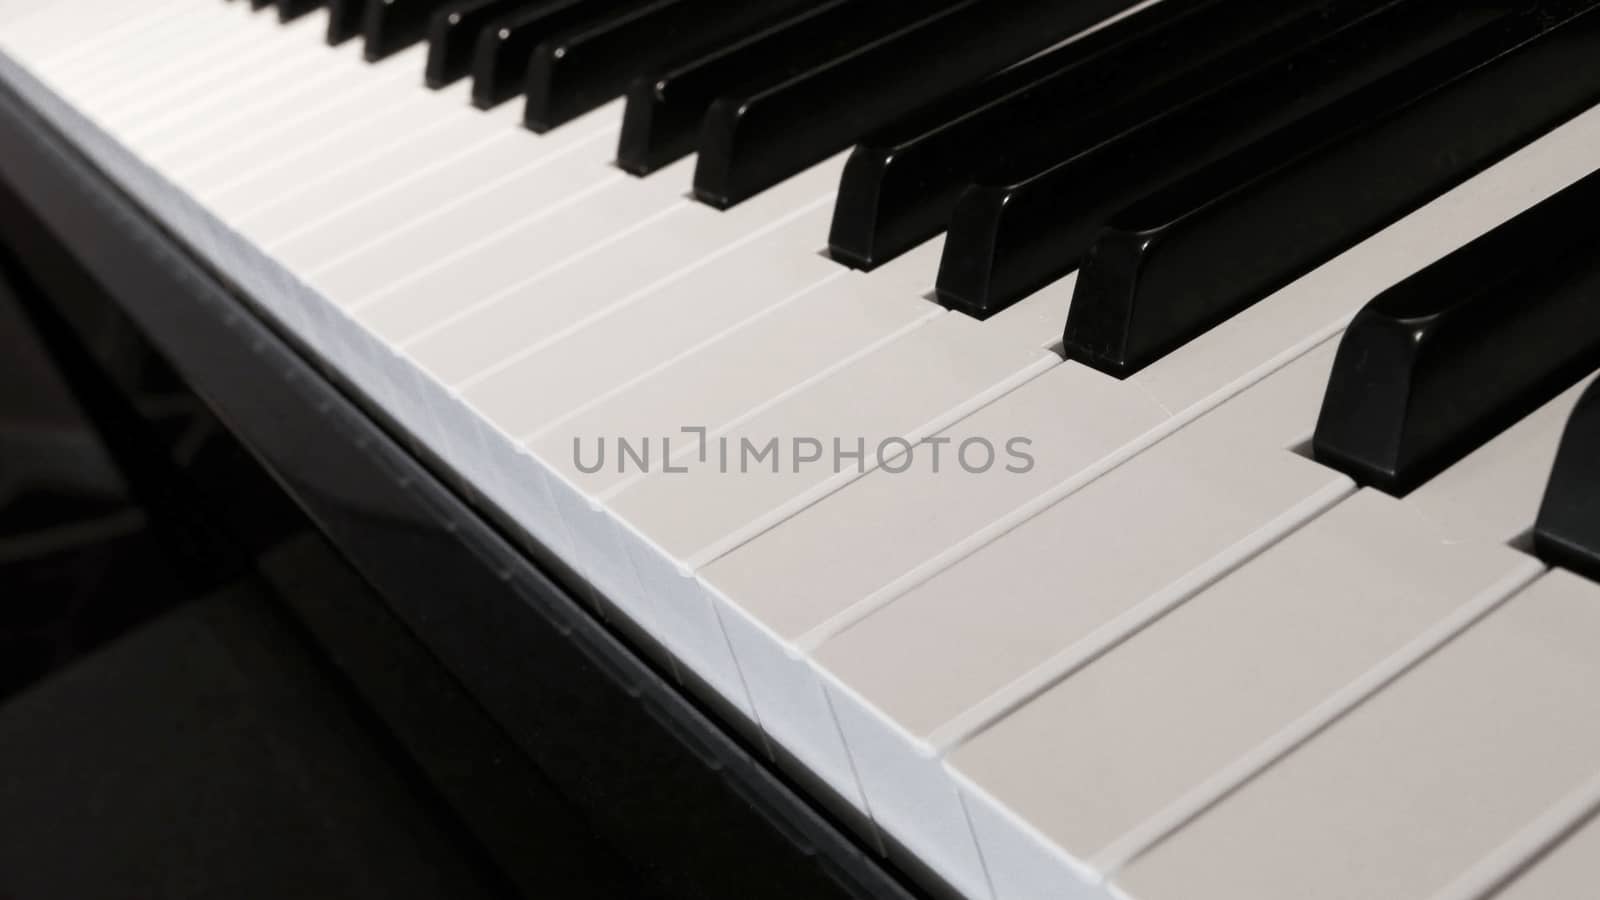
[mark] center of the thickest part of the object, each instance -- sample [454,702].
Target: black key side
[500,60]
[1445,360]
[1567,533]
[664,112]
[345,20]
[394,25]
[1183,260]
[754,138]
[1020,228]
[453,35]
[900,183]
[574,73]
[289,10]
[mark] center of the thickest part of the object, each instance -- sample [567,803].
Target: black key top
[1568,530]
[1182,260]
[500,61]
[289,10]
[1450,357]
[453,36]
[574,73]
[900,183]
[1029,223]
[345,19]
[752,139]
[662,120]
[394,25]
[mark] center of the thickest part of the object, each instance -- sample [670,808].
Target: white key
[779,352]
[191,55]
[913,387]
[468,344]
[87,62]
[320,197]
[311,83]
[909,681]
[203,81]
[559,210]
[346,111]
[1569,872]
[54,31]
[634,306]
[498,167]
[377,127]
[1471,510]
[1099,727]
[669,524]
[439,126]
[1412,788]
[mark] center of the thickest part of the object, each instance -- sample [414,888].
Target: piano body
[1094,449]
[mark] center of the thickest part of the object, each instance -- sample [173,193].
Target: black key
[752,139]
[345,19]
[258,5]
[289,10]
[500,61]
[394,25]
[1568,530]
[662,120]
[1182,260]
[574,73]
[453,36]
[900,183]
[1447,359]
[1027,224]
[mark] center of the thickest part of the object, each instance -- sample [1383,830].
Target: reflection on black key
[756,137]
[572,74]
[664,111]
[900,183]
[289,10]
[500,61]
[1028,224]
[1568,530]
[1448,358]
[1178,262]
[394,25]
[453,35]
[345,19]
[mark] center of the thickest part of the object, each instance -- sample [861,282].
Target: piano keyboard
[1114,450]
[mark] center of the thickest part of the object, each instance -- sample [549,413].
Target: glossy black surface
[583,69]
[393,25]
[650,771]
[1182,260]
[345,19]
[500,61]
[758,135]
[289,10]
[1443,361]
[453,37]
[1568,530]
[1019,228]
[901,182]
[662,121]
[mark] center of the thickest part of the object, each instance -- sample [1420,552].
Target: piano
[1092,448]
